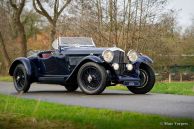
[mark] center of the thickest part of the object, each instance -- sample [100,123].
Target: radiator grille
[119,57]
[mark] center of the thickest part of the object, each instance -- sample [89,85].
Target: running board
[53,79]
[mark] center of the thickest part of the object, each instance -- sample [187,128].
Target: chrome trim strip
[115,49]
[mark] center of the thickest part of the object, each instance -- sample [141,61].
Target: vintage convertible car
[77,62]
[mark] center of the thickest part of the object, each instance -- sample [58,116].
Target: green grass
[25,113]
[6,78]
[180,88]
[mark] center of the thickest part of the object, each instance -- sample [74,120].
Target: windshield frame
[60,43]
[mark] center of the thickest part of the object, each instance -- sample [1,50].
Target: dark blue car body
[61,66]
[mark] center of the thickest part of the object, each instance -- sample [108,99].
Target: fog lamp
[129,67]
[115,66]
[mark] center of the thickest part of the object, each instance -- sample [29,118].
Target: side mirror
[59,47]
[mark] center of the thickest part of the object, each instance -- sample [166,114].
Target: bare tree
[111,20]
[4,52]
[18,8]
[3,31]
[38,6]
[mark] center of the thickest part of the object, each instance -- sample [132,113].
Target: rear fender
[25,62]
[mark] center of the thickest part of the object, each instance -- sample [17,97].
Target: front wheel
[147,80]
[92,78]
[21,80]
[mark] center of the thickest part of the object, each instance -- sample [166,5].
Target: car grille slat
[119,57]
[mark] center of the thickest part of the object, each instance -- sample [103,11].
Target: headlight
[108,56]
[132,55]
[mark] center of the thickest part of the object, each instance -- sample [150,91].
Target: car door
[56,64]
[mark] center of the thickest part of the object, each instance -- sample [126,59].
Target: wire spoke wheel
[144,77]
[147,80]
[92,78]
[20,78]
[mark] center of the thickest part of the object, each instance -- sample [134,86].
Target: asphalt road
[162,104]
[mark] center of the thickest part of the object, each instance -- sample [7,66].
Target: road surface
[162,104]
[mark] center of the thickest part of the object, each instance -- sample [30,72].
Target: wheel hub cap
[89,78]
[18,78]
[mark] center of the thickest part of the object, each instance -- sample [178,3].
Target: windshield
[74,42]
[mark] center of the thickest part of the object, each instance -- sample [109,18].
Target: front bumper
[129,81]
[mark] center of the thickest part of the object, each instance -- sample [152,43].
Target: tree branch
[16,8]
[35,7]
[21,6]
[42,11]
[13,4]
[61,10]
[56,6]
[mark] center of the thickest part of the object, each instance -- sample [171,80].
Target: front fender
[25,62]
[91,58]
[144,59]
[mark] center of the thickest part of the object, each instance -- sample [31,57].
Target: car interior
[45,54]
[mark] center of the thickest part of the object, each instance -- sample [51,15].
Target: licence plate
[128,83]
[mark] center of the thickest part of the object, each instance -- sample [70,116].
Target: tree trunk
[140,24]
[6,58]
[22,39]
[134,30]
[115,23]
[99,14]
[39,8]
[20,26]
[128,26]
[52,35]
[111,21]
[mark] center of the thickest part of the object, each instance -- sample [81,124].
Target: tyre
[21,80]
[147,80]
[71,87]
[91,78]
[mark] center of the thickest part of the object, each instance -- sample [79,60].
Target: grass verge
[25,113]
[179,88]
[6,78]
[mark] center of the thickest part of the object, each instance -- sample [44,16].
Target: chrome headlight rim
[104,54]
[132,56]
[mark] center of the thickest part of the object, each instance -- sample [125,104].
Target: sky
[186,12]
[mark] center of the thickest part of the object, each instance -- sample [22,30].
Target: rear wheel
[147,80]
[71,87]
[91,78]
[21,80]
